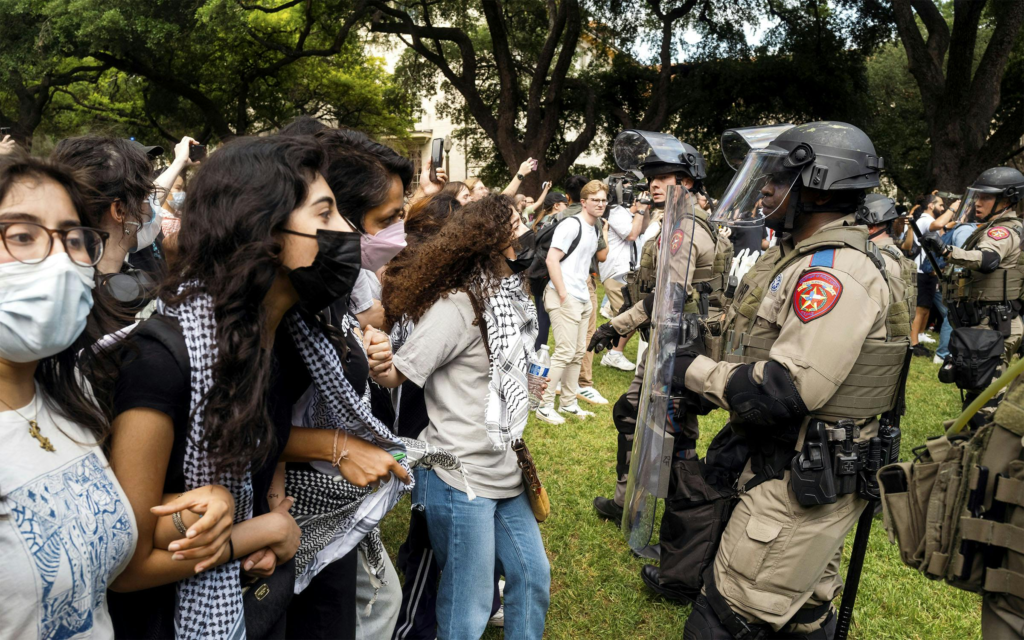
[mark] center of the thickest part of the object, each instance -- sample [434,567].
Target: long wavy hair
[227,250]
[464,255]
[426,217]
[57,375]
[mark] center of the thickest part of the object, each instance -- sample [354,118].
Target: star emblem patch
[998,233]
[816,294]
[677,240]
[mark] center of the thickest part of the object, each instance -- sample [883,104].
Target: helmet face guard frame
[760,186]
[737,142]
[652,153]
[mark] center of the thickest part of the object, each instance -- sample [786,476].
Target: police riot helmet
[655,154]
[877,209]
[825,156]
[993,185]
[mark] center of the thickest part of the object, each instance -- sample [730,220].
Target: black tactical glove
[683,361]
[605,337]
[933,243]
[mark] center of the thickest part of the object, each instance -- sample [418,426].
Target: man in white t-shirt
[624,226]
[567,300]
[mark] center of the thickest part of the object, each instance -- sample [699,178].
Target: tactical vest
[957,511]
[1005,284]
[643,280]
[872,386]
[901,307]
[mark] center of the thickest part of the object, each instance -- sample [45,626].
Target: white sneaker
[576,410]
[617,360]
[606,311]
[548,414]
[924,337]
[938,360]
[498,619]
[501,588]
[591,395]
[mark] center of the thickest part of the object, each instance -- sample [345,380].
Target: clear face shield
[978,205]
[758,189]
[737,142]
[634,148]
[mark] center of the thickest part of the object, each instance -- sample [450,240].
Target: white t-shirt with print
[620,223]
[66,530]
[576,267]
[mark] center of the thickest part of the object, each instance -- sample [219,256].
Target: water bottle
[536,375]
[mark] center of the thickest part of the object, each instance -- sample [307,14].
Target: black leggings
[326,608]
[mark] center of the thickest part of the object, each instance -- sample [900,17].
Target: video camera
[623,189]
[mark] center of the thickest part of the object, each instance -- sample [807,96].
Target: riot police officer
[808,363]
[982,286]
[664,161]
[878,213]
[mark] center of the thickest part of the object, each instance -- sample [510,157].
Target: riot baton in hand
[860,548]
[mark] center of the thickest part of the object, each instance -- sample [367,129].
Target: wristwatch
[520,177]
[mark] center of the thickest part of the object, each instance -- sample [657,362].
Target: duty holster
[831,463]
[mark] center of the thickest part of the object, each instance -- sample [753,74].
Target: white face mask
[177,200]
[43,307]
[148,231]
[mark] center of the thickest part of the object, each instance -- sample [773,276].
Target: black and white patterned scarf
[511,321]
[335,515]
[209,605]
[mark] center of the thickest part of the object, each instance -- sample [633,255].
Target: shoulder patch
[776,283]
[999,233]
[677,240]
[823,258]
[816,294]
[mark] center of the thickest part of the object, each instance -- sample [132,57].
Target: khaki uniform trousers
[777,556]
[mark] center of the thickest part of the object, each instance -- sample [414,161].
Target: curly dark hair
[58,375]
[465,255]
[238,198]
[118,170]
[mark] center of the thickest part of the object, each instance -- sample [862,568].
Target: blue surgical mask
[149,230]
[177,200]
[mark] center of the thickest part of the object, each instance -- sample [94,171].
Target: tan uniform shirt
[1000,239]
[682,262]
[822,315]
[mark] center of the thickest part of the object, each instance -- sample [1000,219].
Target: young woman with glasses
[66,526]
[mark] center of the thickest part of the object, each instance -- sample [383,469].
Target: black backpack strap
[167,331]
[576,241]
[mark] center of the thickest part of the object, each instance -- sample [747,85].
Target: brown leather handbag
[534,489]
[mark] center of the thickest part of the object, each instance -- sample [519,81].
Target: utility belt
[957,510]
[998,315]
[832,463]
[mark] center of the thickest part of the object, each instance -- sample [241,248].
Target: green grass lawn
[596,591]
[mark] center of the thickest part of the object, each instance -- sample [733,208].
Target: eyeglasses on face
[31,243]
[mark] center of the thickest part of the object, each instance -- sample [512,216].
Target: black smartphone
[5,131]
[197,152]
[436,157]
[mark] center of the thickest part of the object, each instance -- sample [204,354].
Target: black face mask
[334,270]
[525,254]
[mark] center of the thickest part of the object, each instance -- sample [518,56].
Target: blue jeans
[468,539]
[943,349]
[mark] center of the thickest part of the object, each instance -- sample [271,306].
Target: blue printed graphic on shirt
[77,530]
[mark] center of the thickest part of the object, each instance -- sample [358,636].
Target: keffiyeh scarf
[209,605]
[511,321]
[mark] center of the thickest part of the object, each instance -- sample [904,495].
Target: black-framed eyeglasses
[31,243]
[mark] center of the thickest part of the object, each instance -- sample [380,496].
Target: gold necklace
[33,426]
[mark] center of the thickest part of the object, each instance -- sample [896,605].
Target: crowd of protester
[218,378]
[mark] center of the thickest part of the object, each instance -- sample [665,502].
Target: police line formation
[808,351]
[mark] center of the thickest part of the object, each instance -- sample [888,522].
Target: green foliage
[207,68]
